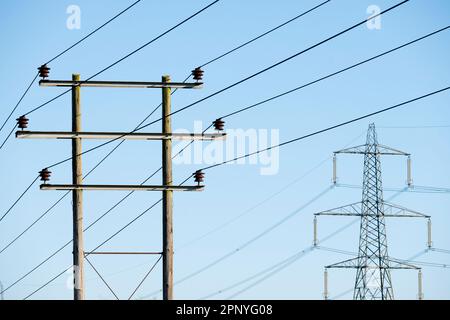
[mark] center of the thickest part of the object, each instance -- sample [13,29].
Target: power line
[8,136]
[282,264]
[309,83]
[273,195]
[63,196]
[412,189]
[335,73]
[87,228]
[127,55]
[285,263]
[250,241]
[323,130]
[65,245]
[233,50]
[103,215]
[97,247]
[18,199]
[264,233]
[440,250]
[18,102]
[290,141]
[258,236]
[289,260]
[34,222]
[302,252]
[112,65]
[282,94]
[264,34]
[155,109]
[63,52]
[61,273]
[270,67]
[207,63]
[329,128]
[278,63]
[409,260]
[315,81]
[235,83]
[93,31]
[220,56]
[46,284]
[272,273]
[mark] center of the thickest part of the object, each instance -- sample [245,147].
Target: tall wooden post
[77,196]
[167,195]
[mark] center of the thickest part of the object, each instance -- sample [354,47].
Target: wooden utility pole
[77,196]
[167,194]
[77,186]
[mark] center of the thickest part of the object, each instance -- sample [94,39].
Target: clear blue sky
[34,31]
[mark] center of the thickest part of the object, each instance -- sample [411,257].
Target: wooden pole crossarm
[124,187]
[118,135]
[120,253]
[120,84]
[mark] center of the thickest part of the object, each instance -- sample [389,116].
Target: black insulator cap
[199,176]
[44,71]
[45,175]
[197,74]
[219,124]
[22,122]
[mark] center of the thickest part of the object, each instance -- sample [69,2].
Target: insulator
[199,176]
[198,74]
[315,231]
[219,124]
[429,242]
[420,286]
[325,284]
[409,180]
[44,71]
[22,122]
[334,169]
[45,175]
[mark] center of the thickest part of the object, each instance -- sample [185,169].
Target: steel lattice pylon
[373,277]
[372,264]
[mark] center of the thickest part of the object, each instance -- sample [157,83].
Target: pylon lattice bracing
[373,263]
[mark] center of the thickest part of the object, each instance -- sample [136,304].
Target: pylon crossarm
[353,150]
[350,263]
[381,150]
[393,210]
[390,210]
[354,264]
[353,209]
[385,150]
[401,264]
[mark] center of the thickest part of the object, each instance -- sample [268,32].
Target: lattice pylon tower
[373,277]
[373,263]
